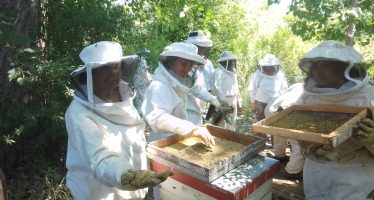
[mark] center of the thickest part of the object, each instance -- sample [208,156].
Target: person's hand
[204,134]
[138,179]
[366,125]
[253,106]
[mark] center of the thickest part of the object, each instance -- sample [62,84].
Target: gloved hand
[216,102]
[204,134]
[365,131]
[366,126]
[138,179]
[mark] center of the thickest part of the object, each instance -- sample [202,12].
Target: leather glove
[204,134]
[365,131]
[216,102]
[138,179]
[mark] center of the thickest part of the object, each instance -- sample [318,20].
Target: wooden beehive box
[324,124]
[187,154]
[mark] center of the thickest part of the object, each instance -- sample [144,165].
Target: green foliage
[72,24]
[322,20]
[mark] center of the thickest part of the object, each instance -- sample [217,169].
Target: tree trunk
[351,27]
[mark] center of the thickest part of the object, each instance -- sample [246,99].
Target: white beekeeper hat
[226,55]
[183,50]
[334,51]
[199,38]
[98,55]
[269,60]
[330,50]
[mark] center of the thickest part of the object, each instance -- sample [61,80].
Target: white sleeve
[200,91]
[217,85]
[253,85]
[209,73]
[159,102]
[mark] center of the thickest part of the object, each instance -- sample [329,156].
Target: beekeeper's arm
[252,88]
[290,97]
[200,92]
[284,82]
[366,130]
[158,103]
[108,166]
[218,85]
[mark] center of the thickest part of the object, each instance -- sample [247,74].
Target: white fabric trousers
[334,181]
[295,165]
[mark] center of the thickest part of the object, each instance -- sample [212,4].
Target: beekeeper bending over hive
[199,96]
[335,77]
[164,104]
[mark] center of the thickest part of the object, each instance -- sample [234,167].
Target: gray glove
[138,179]
[366,130]
[366,126]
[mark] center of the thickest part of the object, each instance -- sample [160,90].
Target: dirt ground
[284,189]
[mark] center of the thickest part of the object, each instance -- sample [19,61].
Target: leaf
[29,50]
[14,73]
[23,81]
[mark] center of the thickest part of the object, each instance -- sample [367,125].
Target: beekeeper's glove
[204,134]
[138,179]
[366,130]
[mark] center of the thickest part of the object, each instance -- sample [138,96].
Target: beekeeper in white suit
[204,73]
[335,77]
[266,83]
[106,156]
[165,101]
[227,88]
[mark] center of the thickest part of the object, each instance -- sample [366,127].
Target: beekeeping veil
[269,60]
[334,51]
[224,59]
[186,51]
[101,54]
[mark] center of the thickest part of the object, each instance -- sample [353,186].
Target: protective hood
[350,86]
[226,56]
[99,55]
[334,51]
[122,112]
[166,76]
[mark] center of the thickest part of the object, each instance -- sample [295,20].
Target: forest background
[40,41]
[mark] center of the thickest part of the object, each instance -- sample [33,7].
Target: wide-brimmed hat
[330,50]
[227,55]
[269,60]
[199,38]
[98,55]
[103,53]
[183,50]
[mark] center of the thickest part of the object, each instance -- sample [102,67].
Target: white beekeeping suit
[164,104]
[105,139]
[346,171]
[264,87]
[226,86]
[199,95]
